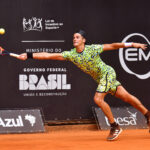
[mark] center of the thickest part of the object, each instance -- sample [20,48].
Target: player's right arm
[43,56]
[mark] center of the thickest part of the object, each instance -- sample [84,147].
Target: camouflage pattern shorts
[108,82]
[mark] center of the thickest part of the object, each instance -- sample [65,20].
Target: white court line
[44,41]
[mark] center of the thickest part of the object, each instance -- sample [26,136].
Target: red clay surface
[79,137]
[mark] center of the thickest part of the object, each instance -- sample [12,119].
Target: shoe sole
[115,136]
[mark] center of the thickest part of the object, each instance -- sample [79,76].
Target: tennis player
[87,58]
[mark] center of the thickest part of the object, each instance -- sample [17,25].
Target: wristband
[128,44]
[29,55]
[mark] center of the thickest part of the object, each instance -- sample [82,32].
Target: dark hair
[81,32]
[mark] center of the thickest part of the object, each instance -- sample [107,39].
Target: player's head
[79,38]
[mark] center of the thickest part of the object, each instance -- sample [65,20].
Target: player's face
[78,40]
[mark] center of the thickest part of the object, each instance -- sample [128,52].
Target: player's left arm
[114,46]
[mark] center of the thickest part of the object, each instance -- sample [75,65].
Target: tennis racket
[4,52]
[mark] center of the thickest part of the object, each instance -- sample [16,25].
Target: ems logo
[135,61]
[33,24]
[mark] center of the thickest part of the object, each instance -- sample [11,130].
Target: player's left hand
[139,45]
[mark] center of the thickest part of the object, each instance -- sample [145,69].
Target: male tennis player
[87,58]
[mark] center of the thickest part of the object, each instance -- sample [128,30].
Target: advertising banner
[126,117]
[21,121]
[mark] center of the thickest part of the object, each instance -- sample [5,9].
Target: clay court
[76,137]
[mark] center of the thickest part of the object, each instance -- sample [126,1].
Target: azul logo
[11,122]
[134,55]
[52,82]
[125,121]
[33,24]
[31,119]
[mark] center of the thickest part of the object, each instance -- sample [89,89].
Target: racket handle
[14,55]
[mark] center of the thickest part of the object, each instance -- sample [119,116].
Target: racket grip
[14,55]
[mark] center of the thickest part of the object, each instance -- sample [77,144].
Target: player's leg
[115,129]
[103,88]
[99,100]
[127,97]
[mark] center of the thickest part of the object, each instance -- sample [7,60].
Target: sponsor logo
[31,119]
[33,24]
[134,115]
[38,24]
[52,82]
[125,121]
[11,122]
[129,55]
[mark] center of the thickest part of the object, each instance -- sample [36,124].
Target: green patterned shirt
[89,60]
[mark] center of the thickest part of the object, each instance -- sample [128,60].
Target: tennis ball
[2,31]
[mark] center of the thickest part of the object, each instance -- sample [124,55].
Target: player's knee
[98,100]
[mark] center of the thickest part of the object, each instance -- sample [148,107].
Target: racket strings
[3,52]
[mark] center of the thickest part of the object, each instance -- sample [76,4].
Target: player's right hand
[140,45]
[23,56]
